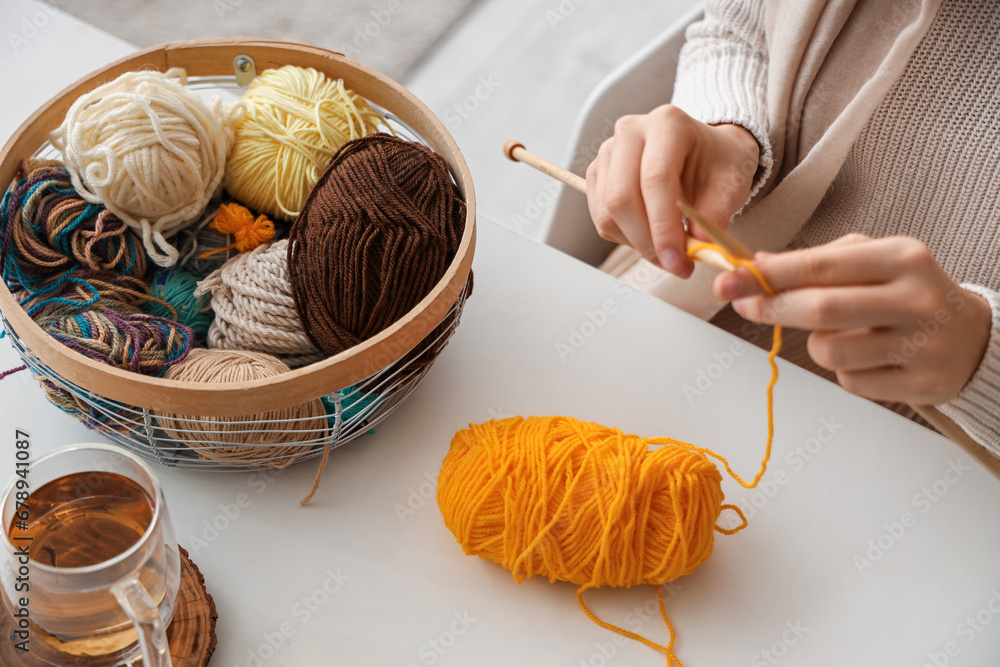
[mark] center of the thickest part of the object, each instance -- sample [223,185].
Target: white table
[369,575]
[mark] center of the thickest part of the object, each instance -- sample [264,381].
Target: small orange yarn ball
[579,502]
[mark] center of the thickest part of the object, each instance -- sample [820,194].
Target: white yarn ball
[151,151]
[254,307]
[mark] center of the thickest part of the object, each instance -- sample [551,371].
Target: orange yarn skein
[579,502]
[248,233]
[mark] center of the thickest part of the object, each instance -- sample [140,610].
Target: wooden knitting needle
[954,432]
[717,235]
[516,152]
[946,426]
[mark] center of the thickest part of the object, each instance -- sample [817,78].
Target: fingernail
[739,305]
[671,260]
[729,286]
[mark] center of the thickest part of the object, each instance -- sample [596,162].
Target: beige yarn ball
[265,439]
[296,119]
[150,150]
[254,307]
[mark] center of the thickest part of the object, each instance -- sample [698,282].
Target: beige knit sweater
[922,163]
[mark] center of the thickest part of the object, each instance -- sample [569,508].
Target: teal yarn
[355,405]
[176,287]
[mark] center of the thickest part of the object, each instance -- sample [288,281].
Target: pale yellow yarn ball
[296,119]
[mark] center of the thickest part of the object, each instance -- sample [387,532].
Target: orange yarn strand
[579,502]
[668,650]
[237,220]
[775,349]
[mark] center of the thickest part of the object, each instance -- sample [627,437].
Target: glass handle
[139,606]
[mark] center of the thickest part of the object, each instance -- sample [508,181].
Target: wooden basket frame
[215,57]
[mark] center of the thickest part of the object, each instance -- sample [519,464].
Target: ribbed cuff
[719,81]
[977,407]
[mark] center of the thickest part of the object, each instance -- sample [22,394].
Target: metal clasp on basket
[245,69]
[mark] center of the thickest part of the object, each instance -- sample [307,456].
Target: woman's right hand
[651,162]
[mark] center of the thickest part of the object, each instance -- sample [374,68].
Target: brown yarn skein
[375,236]
[265,439]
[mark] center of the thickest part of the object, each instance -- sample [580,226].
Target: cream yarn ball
[150,150]
[254,307]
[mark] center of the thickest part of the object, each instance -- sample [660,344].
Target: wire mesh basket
[357,388]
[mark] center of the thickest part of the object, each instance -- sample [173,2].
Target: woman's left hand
[883,314]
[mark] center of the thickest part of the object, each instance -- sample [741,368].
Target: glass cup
[106,614]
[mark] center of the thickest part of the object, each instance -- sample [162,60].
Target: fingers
[850,239]
[730,285]
[846,263]
[634,182]
[660,184]
[620,190]
[889,384]
[826,308]
[851,260]
[855,349]
[596,172]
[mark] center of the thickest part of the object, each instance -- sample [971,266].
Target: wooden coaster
[191,633]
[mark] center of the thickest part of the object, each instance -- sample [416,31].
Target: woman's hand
[656,159]
[884,315]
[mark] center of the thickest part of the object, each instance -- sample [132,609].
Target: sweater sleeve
[722,73]
[977,407]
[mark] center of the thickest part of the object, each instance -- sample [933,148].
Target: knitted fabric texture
[375,236]
[925,166]
[722,74]
[254,307]
[922,165]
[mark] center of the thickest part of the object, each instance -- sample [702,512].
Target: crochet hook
[516,152]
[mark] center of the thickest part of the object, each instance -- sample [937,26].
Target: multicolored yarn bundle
[92,411]
[132,341]
[84,289]
[296,119]
[48,233]
[254,307]
[376,235]
[79,271]
[150,150]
